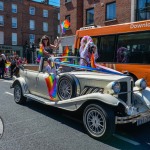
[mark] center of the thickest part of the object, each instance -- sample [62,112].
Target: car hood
[98,76]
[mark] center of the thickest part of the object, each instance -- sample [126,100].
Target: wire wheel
[96,122]
[99,121]
[65,89]
[17,93]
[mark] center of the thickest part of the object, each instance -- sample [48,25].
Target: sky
[52,2]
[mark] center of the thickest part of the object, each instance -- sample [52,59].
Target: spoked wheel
[66,87]
[18,96]
[99,123]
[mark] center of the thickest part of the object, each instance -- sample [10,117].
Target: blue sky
[52,2]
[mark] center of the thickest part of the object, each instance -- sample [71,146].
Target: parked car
[103,97]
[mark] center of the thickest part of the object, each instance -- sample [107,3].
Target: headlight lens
[141,83]
[116,87]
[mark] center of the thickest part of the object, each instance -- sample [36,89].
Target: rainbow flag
[65,53]
[51,85]
[93,61]
[40,53]
[64,26]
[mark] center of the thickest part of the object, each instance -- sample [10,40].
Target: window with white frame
[32,38]
[32,25]
[1,37]
[14,22]
[14,8]
[32,10]
[1,20]
[45,26]
[45,13]
[14,38]
[58,28]
[1,5]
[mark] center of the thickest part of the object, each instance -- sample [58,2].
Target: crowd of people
[9,65]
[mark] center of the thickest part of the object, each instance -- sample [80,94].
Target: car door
[31,80]
[46,84]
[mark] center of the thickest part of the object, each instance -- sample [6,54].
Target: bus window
[133,48]
[107,47]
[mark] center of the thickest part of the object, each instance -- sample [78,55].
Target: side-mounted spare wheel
[99,121]
[66,87]
[18,95]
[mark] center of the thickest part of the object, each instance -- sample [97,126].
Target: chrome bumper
[139,119]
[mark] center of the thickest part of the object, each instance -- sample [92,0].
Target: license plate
[143,120]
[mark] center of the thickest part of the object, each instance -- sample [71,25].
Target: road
[36,126]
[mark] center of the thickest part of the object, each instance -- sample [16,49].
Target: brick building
[100,12]
[24,22]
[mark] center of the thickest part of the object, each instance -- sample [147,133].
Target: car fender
[80,100]
[23,84]
[144,96]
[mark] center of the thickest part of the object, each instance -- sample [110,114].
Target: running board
[39,99]
[70,105]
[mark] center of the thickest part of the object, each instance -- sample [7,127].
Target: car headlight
[114,87]
[141,83]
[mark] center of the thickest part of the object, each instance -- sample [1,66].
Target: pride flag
[64,26]
[51,85]
[65,53]
[40,53]
[93,61]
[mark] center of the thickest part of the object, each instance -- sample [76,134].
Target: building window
[90,16]
[67,1]
[14,22]
[111,11]
[143,10]
[45,26]
[1,5]
[1,37]
[1,20]
[32,38]
[58,16]
[32,25]
[14,38]
[14,8]
[45,13]
[32,10]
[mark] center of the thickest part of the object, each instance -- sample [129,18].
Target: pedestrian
[12,66]
[2,66]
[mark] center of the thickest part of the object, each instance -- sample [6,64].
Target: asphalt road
[38,127]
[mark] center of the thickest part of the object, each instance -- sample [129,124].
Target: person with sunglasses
[47,47]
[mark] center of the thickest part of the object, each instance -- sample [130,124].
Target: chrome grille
[124,88]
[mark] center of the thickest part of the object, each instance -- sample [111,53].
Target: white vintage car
[104,97]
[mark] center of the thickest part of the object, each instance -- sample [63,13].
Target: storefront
[9,50]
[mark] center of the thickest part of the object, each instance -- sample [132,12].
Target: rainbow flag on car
[40,53]
[65,53]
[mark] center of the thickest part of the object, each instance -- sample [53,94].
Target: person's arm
[56,44]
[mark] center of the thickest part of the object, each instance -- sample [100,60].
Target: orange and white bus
[124,47]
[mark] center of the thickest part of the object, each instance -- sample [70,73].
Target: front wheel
[18,96]
[98,121]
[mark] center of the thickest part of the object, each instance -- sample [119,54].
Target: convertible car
[104,97]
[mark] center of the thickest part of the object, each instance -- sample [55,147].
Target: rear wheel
[18,95]
[99,122]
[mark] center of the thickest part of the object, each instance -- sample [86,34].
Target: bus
[123,47]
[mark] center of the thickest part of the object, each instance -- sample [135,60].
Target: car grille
[123,89]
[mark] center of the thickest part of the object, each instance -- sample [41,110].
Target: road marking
[126,139]
[9,93]
[8,81]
